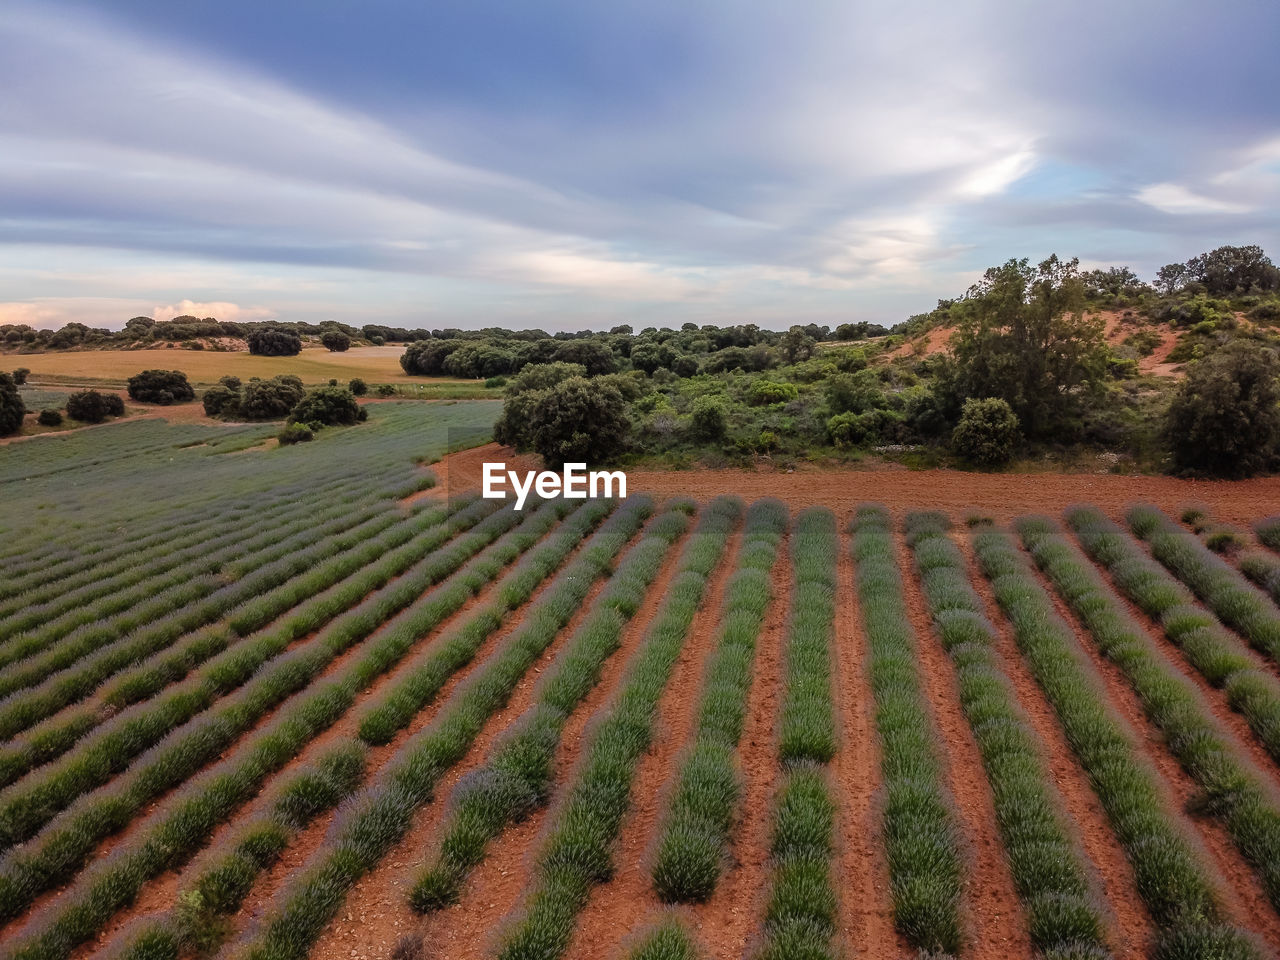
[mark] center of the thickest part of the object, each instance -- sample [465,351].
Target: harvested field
[298,704]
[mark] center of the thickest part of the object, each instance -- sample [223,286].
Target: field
[305,701]
[313,365]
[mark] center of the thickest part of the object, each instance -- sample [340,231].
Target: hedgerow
[198,922]
[1045,862]
[1228,594]
[1232,793]
[800,919]
[692,844]
[188,819]
[1213,651]
[381,813]
[578,849]
[325,590]
[518,774]
[921,845]
[1177,888]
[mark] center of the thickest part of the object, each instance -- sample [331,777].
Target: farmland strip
[1234,793]
[1046,864]
[800,919]
[1176,887]
[1228,594]
[184,824]
[379,816]
[919,828]
[1210,649]
[315,597]
[707,789]
[577,853]
[198,922]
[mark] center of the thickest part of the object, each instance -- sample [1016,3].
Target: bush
[295,433]
[578,420]
[357,387]
[231,383]
[219,400]
[336,341]
[50,418]
[12,409]
[1224,420]
[20,375]
[270,399]
[426,357]
[764,392]
[161,386]
[327,405]
[707,421]
[273,342]
[987,432]
[386,390]
[90,406]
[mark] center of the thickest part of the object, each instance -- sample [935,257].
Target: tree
[796,345]
[12,409]
[270,399]
[707,420]
[274,342]
[426,358]
[1224,420]
[327,405]
[1023,336]
[1231,271]
[20,375]
[987,432]
[336,341]
[220,400]
[160,386]
[1171,277]
[90,406]
[50,417]
[579,420]
[357,387]
[595,356]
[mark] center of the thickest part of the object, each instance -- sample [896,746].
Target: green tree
[707,419]
[273,342]
[577,420]
[327,405]
[336,341]
[1023,336]
[160,386]
[796,345]
[1224,420]
[987,432]
[12,409]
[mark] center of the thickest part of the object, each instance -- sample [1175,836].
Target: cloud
[219,310]
[1176,199]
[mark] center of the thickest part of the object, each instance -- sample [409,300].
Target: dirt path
[993,914]
[1130,930]
[731,918]
[376,914]
[864,922]
[622,904]
[1243,899]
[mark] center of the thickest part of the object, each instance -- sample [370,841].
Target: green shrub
[707,419]
[50,418]
[335,341]
[90,406]
[987,433]
[273,342]
[357,387]
[765,392]
[329,406]
[12,409]
[220,400]
[20,375]
[386,390]
[161,387]
[1224,420]
[270,399]
[295,433]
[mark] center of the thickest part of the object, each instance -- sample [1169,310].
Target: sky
[566,165]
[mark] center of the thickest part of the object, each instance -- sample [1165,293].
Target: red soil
[1130,932]
[993,913]
[623,903]
[728,921]
[865,918]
